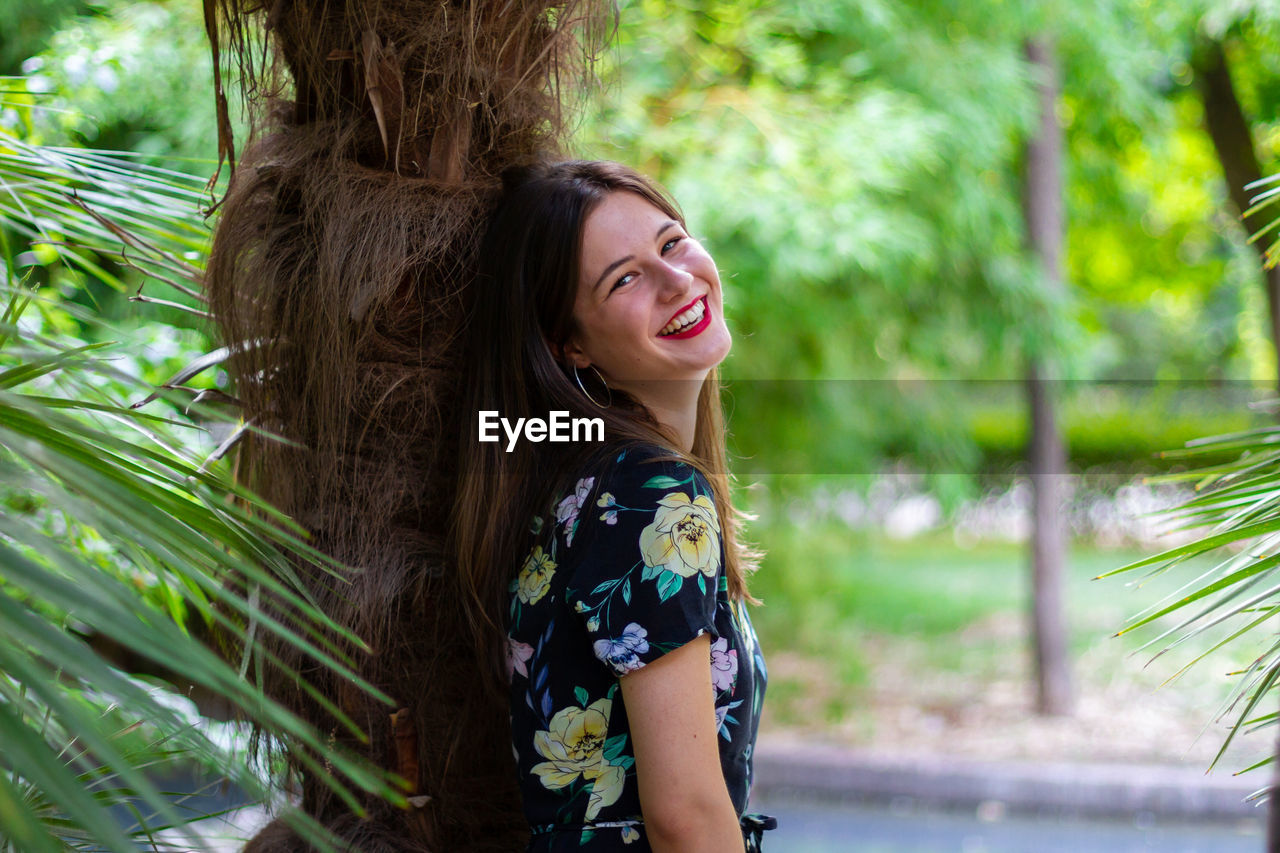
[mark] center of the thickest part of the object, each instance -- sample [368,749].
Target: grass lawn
[856,627]
[826,580]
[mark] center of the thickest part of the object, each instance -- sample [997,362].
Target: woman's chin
[723,343]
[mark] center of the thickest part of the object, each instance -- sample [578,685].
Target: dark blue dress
[625,566]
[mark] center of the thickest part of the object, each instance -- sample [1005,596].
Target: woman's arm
[671,710]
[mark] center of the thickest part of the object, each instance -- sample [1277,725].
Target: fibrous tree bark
[345,248]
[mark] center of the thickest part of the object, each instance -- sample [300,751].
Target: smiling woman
[612,576]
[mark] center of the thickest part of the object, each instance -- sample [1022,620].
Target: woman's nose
[677,280]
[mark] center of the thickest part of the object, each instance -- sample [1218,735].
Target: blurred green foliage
[135,77]
[854,167]
[1125,429]
[28,26]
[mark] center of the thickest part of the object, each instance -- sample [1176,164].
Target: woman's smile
[688,322]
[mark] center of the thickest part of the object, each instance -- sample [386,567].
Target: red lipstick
[699,327]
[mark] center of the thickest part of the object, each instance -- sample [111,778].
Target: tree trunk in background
[1042,207]
[1232,140]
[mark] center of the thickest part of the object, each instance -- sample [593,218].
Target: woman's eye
[624,280]
[670,244]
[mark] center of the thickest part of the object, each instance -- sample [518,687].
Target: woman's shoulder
[638,471]
[643,556]
[628,486]
[633,465]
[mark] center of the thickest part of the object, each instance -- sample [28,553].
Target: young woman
[608,574]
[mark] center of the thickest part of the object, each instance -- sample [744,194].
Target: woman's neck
[674,404]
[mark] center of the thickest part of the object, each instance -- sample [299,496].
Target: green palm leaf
[176,544]
[1239,508]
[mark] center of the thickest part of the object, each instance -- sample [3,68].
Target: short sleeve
[647,559]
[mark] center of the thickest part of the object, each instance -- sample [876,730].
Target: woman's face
[648,305]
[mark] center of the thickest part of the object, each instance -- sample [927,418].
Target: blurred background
[945,229]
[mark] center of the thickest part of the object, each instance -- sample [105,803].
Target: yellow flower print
[535,576]
[573,746]
[684,536]
[606,789]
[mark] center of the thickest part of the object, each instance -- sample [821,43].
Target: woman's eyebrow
[613,266]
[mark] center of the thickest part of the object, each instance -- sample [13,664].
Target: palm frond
[1264,199]
[91,205]
[118,525]
[1239,508]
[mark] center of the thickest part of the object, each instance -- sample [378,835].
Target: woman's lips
[683,309]
[697,328]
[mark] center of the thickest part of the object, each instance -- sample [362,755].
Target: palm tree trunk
[1042,207]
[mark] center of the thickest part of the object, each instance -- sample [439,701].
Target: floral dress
[628,566]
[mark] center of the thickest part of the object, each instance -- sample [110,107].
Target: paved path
[832,773]
[895,797]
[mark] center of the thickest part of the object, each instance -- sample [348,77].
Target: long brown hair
[520,314]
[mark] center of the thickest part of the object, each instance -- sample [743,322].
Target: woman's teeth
[685,319]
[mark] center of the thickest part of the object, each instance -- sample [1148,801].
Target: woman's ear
[570,354]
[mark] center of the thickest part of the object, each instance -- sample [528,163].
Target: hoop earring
[602,382]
